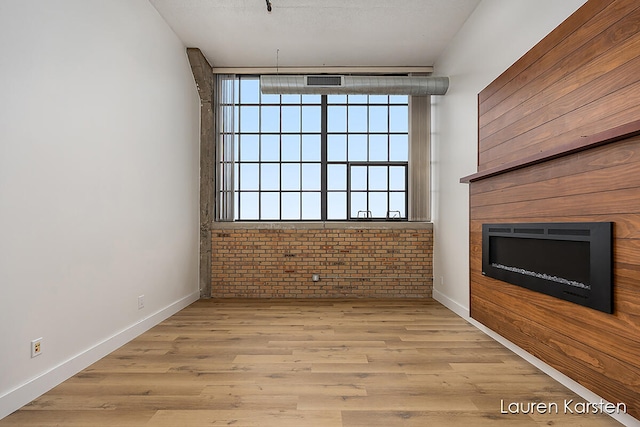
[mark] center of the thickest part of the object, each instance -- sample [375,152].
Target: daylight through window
[312,157]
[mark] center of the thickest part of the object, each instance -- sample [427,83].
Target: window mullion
[323,158]
[259,159]
[240,142]
[348,190]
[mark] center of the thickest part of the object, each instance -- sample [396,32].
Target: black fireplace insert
[571,261]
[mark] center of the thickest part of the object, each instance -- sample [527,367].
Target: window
[312,157]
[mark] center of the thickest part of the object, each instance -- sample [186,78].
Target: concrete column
[205,81]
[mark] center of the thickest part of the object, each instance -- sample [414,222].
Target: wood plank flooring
[299,363]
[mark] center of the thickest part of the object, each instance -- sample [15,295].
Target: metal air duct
[369,85]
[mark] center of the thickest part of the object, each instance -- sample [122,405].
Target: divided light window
[315,157]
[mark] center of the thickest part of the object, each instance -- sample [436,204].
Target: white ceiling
[316,33]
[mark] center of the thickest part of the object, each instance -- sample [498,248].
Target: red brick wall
[362,262]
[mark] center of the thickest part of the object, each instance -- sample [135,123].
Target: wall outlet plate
[36,347]
[140,302]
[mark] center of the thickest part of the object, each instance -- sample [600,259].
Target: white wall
[496,35]
[99,130]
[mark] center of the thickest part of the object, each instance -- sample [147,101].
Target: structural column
[204,78]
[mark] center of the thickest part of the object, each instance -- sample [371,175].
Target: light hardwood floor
[298,363]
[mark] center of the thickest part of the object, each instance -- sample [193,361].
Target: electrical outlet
[140,302]
[36,347]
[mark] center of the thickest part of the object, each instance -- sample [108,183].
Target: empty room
[320,213]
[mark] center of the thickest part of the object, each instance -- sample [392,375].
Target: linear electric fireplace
[571,261]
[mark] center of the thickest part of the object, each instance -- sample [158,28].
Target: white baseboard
[20,396]
[572,385]
[452,305]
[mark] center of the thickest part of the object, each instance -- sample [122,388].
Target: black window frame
[324,162]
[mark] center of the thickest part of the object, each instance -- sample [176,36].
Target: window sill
[310,225]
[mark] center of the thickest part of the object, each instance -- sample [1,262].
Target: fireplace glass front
[571,261]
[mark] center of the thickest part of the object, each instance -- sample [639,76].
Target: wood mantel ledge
[584,143]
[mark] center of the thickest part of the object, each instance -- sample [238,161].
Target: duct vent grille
[324,81]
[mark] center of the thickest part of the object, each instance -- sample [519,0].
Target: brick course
[361,263]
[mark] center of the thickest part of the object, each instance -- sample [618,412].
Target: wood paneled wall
[582,79]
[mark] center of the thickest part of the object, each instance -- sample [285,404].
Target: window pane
[249,148]
[378,99]
[336,119]
[357,118]
[357,99]
[291,176]
[310,176]
[337,205]
[359,204]
[310,119]
[248,176]
[397,178]
[378,204]
[236,183]
[249,119]
[398,99]
[249,91]
[358,178]
[290,205]
[290,119]
[357,148]
[270,119]
[397,202]
[311,99]
[310,205]
[236,202]
[290,148]
[398,148]
[311,148]
[378,148]
[248,205]
[270,205]
[269,176]
[291,99]
[270,148]
[337,148]
[269,98]
[378,119]
[336,99]
[337,177]
[378,178]
[399,119]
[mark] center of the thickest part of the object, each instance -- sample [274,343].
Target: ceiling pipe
[370,85]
